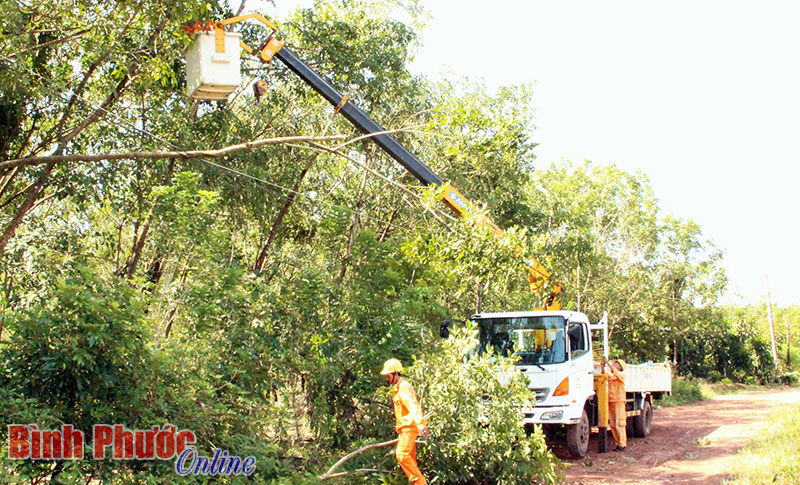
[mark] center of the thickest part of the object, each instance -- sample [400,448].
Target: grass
[725,386]
[774,457]
[688,390]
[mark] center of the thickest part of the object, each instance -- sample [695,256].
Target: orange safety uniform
[616,406]
[408,419]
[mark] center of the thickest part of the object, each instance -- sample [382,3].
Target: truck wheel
[641,423]
[578,437]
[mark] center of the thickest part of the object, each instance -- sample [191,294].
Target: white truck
[556,355]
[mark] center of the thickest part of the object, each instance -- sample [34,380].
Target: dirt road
[695,443]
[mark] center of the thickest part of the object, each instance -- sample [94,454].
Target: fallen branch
[359,470]
[329,474]
[222,152]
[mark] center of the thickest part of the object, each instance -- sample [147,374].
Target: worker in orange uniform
[617,415]
[409,420]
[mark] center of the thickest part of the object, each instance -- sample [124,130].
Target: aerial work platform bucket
[213,73]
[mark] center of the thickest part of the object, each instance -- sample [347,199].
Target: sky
[703,97]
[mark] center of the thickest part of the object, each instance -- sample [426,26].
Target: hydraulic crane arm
[272,47]
[360,120]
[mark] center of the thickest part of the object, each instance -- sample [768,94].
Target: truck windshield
[536,340]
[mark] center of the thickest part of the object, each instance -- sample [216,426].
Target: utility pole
[771,324]
[479,296]
[788,357]
[578,283]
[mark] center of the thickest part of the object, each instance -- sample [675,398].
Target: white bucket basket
[210,74]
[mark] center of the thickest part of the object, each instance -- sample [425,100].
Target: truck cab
[555,354]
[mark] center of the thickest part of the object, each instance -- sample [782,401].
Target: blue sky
[702,97]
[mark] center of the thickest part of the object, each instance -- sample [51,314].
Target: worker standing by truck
[409,420]
[616,402]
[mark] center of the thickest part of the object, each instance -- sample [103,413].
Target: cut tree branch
[358,470]
[374,134]
[329,474]
[222,152]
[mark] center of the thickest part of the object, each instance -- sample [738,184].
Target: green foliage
[772,457]
[86,344]
[786,324]
[471,257]
[614,252]
[727,347]
[87,348]
[684,390]
[476,431]
[486,149]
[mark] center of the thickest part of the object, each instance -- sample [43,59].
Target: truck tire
[641,423]
[578,437]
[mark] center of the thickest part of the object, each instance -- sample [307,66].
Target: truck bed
[648,378]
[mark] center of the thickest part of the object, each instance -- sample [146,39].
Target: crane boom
[359,119]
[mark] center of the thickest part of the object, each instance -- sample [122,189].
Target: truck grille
[541,393]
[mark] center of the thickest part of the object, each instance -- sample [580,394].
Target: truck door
[580,368]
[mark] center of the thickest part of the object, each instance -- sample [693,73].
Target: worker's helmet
[390,366]
[621,363]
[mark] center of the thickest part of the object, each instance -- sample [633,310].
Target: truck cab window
[577,340]
[536,340]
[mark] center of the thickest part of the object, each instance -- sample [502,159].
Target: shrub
[684,390]
[790,378]
[79,356]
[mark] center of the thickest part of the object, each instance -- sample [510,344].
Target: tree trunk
[675,351]
[138,246]
[7,179]
[771,326]
[387,229]
[174,310]
[7,285]
[25,207]
[356,222]
[156,267]
[273,232]
[170,319]
[478,297]
[578,285]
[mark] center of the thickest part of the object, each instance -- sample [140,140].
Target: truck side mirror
[444,329]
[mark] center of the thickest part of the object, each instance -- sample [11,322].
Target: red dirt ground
[689,444]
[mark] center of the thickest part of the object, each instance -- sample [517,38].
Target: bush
[790,378]
[81,357]
[684,390]
[476,432]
